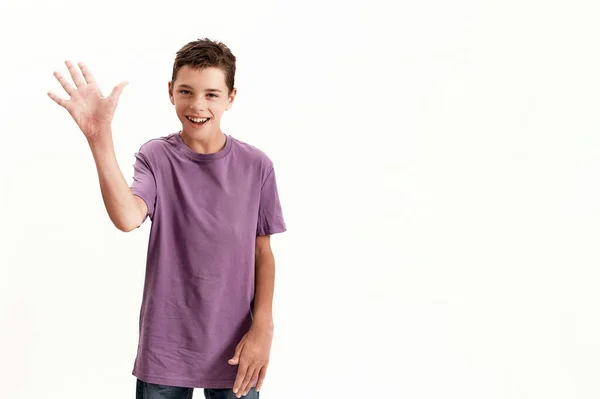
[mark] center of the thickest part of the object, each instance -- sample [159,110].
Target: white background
[438,166]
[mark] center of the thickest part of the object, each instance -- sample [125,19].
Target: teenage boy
[206,313]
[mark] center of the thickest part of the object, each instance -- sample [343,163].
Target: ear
[171,93]
[231,98]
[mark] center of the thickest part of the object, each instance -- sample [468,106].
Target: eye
[181,91]
[211,94]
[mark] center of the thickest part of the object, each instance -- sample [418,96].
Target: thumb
[116,92]
[236,357]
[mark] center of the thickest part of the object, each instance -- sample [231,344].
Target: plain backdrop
[438,166]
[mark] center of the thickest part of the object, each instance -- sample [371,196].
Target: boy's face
[204,95]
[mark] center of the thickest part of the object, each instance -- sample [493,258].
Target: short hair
[204,53]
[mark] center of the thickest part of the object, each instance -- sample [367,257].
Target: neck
[205,144]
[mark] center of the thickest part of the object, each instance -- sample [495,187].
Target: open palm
[89,108]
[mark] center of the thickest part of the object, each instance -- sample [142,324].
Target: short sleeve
[270,217]
[144,183]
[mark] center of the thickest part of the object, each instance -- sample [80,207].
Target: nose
[199,105]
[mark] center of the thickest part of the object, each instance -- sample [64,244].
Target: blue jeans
[147,390]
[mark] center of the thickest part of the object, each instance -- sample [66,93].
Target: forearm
[120,203]
[264,289]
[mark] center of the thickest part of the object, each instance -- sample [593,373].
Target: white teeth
[198,120]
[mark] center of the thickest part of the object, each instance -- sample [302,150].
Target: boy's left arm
[265,283]
[253,351]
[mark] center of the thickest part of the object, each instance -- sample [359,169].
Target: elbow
[124,228]
[127,227]
[131,221]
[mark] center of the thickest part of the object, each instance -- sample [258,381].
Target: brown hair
[203,53]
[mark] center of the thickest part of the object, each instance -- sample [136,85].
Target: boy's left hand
[252,355]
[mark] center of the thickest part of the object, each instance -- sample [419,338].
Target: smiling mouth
[197,121]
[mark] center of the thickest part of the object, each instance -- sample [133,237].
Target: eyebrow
[190,87]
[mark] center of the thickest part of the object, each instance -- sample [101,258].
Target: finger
[64,83]
[236,356]
[244,387]
[241,375]
[261,378]
[75,74]
[60,101]
[118,89]
[250,381]
[87,74]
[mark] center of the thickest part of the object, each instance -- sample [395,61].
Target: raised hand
[91,111]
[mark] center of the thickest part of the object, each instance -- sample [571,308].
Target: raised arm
[93,114]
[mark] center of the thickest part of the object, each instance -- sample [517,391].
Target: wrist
[101,141]
[263,321]
[99,134]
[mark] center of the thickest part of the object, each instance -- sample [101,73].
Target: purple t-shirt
[206,211]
